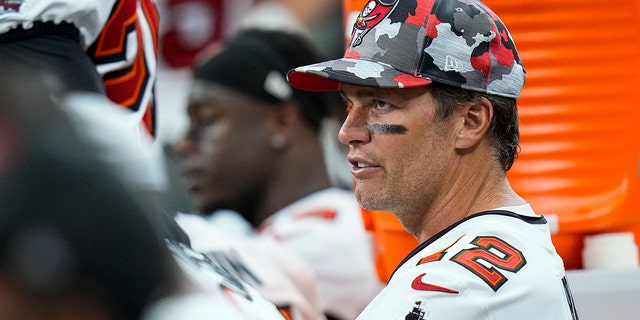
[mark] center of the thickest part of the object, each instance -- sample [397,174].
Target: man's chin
[371,203]
[370,200]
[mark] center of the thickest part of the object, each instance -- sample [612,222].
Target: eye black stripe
[377,128]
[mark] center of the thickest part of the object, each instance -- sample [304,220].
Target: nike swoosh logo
[418,284]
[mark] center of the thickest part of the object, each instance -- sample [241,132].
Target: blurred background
[192,28]
[187,27]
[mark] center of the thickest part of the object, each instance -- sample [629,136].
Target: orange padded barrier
[579,114]
[391,242]
[579,111]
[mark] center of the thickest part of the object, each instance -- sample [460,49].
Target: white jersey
[280,276]
[495,265]
[326,229]
[219,294]
[89,16]
[121,37]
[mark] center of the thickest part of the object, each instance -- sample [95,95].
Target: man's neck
[485,188]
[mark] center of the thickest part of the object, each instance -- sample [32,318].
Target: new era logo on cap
[452,64]
[407,43]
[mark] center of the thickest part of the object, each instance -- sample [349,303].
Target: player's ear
[284,121]
[476,116]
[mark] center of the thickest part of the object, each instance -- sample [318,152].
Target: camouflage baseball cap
[409,43]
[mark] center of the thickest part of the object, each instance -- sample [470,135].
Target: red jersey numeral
[489,255]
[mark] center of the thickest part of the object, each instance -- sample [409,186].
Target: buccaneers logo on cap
[372,13]
[10,5]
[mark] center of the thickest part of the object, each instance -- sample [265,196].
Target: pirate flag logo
[10,5]
[372,13]
[417,313]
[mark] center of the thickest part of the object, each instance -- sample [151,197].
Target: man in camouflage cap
[431,89]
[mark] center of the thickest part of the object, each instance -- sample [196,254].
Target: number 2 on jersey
[496,254]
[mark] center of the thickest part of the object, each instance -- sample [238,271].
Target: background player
[78,240]
[253,147]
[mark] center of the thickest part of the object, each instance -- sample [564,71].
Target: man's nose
[355,128]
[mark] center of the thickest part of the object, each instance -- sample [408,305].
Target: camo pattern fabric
[406,43]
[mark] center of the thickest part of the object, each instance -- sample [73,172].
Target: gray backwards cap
[410,43]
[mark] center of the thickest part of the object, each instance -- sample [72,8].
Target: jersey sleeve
[331,238]
[218,292]
[427,293]
[280,276]
[125,53]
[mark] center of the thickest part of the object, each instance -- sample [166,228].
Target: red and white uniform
[220,294]
[89,16]
[120,36]
[494,265]
[326,230]
[280,276]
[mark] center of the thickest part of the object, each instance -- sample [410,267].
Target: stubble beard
[389,202]
[379,199]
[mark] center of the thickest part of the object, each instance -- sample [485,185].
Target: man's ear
[283,125]
[477,116]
